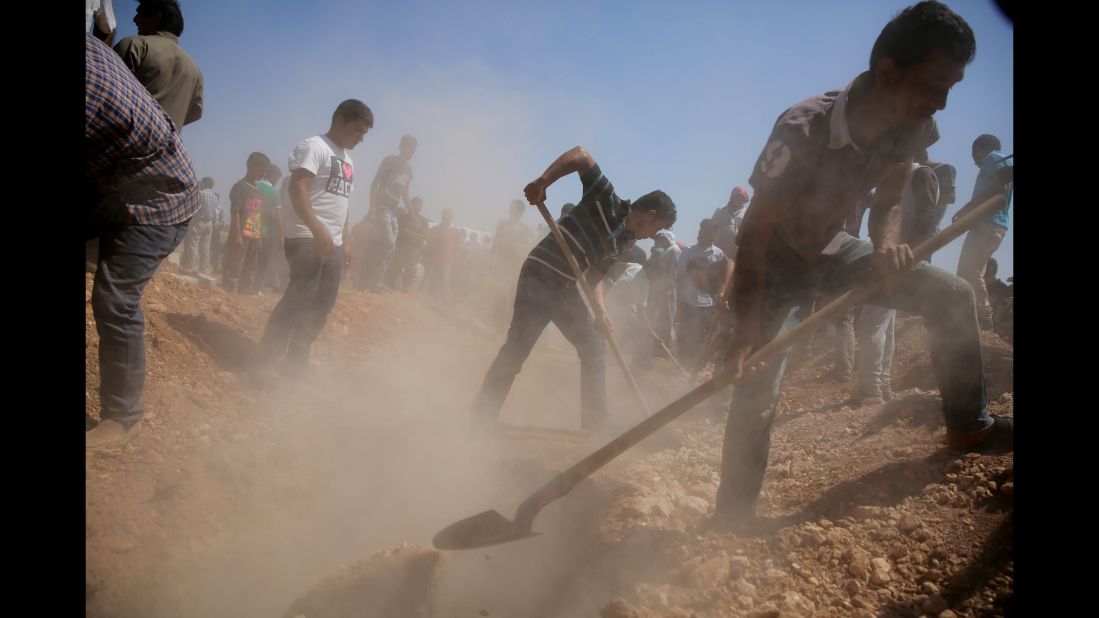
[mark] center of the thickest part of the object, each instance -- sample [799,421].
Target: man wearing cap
[598,230]
[824,154]
[728,219]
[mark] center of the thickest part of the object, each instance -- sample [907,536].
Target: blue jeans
[382,241]
[947,305]
[874,329]
[299,317]
[129,256]
[542,297]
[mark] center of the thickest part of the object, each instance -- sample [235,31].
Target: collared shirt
[688,291]
[171,76]
[989,166]
[136,169]
[728,221]
[595,229]
[812,163]
[210,209]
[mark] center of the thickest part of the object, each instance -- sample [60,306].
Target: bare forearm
[576,159]
[885,225]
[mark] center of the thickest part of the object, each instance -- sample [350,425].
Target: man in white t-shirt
[316,236]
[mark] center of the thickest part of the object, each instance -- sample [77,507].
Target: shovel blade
[481,530]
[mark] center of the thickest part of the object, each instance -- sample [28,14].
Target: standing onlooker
[410,243]
[141,193]
[921,211]
[270,227]
[439,255]
[390,187]
[728,219]
[660,270]
[982,241]
[696,308]
[201,230]
[245,227]
[317,235]
[159,62]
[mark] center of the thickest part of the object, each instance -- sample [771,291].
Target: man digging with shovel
[600,228]
[824,154]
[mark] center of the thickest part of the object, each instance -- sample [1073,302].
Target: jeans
[129,256]
[379,250]
[694,324]
[845,345]
[944,301]
[542,297]
[299,317]
[980,243]
[196,247]
[874,329]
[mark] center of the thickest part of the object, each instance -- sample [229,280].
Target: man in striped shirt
[140,192]
[601,227]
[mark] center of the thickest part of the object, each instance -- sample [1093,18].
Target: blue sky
[675,96]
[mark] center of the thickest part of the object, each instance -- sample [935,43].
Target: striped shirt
[595,230]
[136,170]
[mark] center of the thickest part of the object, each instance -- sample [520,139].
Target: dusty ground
[319,497]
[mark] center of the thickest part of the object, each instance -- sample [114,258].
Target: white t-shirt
[329,192]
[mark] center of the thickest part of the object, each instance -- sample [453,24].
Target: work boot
[997,438]
[110,433]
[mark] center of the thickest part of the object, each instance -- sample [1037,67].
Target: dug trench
[319,497]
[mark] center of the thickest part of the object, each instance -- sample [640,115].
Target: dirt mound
[235,499]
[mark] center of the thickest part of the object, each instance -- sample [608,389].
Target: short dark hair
[911,36]
[660,202]
[273,172]
[258,157]
[354,109]
[206,183]
[709,224]
[987,141]
[171,18]
[991,268]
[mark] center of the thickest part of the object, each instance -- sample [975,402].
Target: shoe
[999,437]
[110,433]
[741,521]
[859,400]
[887,394]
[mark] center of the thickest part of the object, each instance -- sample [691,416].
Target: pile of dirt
[233,492]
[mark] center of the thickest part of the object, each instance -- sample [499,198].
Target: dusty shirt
[393,177]
[329,190]
[161,65]
[811,163]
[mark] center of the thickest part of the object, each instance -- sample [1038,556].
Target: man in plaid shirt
[140,194]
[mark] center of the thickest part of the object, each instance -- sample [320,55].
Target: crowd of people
[756,267]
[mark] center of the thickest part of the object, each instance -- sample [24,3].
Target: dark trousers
[299,317]
[946,303]
[402,268]
[129,256]
[542,297]
[240,265]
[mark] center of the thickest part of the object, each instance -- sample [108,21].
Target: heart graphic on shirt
[346,171]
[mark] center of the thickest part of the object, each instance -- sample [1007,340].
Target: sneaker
[999,437]
[110,433]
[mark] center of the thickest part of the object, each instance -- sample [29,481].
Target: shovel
[492,528]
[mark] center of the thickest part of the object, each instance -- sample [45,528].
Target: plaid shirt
[210,209]
[136,169]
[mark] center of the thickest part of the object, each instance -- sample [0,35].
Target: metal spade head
[481,530]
